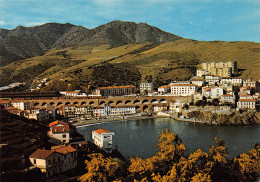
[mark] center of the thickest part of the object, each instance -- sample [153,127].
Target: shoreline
[95,121]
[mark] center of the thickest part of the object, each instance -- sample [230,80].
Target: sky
[209,20]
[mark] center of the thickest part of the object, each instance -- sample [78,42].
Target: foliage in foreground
[170,164]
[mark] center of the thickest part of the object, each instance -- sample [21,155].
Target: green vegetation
[170,164]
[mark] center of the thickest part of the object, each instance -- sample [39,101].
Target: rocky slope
[245,119]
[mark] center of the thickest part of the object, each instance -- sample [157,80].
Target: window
[49,161]
[34,161]
[64,136]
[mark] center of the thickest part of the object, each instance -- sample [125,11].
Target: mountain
[122,53]
[25,42]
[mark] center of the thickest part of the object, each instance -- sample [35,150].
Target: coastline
[100,121]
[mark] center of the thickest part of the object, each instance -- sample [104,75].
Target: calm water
[139,137]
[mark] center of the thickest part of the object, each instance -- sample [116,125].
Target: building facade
[183,89]
[59,131]
[246,104]
[146,86]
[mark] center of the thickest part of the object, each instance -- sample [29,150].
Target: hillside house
[54,161]
[59,131]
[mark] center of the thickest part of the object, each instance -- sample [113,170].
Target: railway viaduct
[140,103]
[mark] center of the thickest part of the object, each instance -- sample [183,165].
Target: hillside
[22,136]
[80,55]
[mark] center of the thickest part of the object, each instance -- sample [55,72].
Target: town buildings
[164,89]
[104,139]
[21,105]
[76,111]
[38,114]
[223,69]
[117,111]
[116,90]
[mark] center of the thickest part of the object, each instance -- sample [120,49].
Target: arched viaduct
[140,103]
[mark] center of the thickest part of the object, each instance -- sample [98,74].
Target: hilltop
[77,56]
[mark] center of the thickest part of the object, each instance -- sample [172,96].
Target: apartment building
[183,89]
[232,80]
[228,98]
[246,104]
[249,83]
[104,139]
[201,72]
[109,111]
[116,90]
[220,67]
[38,114]
[212,79]
[198,81]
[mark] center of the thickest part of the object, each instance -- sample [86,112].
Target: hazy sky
[228,20]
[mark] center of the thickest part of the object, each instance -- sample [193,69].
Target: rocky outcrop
[246,119]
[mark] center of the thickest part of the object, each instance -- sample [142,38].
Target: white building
[104,139]
[228,98]
[198,81]
[232,80]
[59,131]
[201,72]
[55,161]
[109,111]
[164,89]
[212,79]
[249,83]
[216,92]
[244,91]
[76,93]
[21,105]
[146,86]
[246,104]
[183,89]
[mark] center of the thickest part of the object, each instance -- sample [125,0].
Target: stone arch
[137,108]
[136,101]
[163,101]
[145,108]
[102,102]
[52,103]
[36,104]
[110,102]
[154,101]
[75,103]
[128,101]
[91,102]
[119,102]
[83,103]
[44,104]
[145,101]
[59,103]
[67,103]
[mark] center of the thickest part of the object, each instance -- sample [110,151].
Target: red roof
[57,122]
[100,131]
[41,154]
[226,95]
[60,129]
[65,150]
[246,100]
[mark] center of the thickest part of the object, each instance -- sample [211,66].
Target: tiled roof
[100,131]
[126,86]
[246,100]
[226,95]
[4,101]
[60,129]
[41,154]
[58,122]
[65,150]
